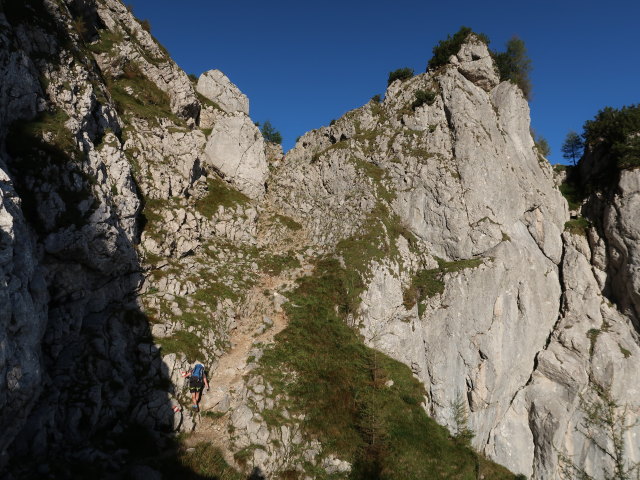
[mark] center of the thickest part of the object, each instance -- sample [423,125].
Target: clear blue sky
[303,64]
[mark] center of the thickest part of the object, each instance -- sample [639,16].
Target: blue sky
[303,64]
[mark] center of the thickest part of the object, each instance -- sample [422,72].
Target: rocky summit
[406,294]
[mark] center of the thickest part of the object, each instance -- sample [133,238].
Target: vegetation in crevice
[428,283]
[577,226]
[219,194]
[571,188]
[206,102]
[513,64]
[106,41]
[134,95]
[423,97]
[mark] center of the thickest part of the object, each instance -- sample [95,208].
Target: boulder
[235,148]
[215,86]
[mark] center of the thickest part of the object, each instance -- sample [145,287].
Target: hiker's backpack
[198,371]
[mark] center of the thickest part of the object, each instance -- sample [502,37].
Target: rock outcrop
[215,86]
[236,149]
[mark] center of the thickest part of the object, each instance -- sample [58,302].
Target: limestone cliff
[145,225]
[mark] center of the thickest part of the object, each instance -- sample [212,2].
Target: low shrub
[422,97]
[146,25]
[451,46]
[401,74]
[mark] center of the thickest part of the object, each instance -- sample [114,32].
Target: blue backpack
[198,371]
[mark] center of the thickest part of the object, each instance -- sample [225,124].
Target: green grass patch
[288,222]
[214,292]
[194,319]
[378,176]
[204,462]
[213,415]
[276,264]
[209,103]
[219,193]
[375,240]
[428,283]
[135,95]
[340,386]
[342,144]
[624,351]
[243,456]
[571,189]
[107,41]
[182,341]
[420,153]
[152,220]
[577,226]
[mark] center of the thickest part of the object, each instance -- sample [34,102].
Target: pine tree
[572,147]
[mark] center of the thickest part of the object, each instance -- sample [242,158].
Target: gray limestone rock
[215,86]
[236,149]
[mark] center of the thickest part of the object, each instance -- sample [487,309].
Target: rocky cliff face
[145,224]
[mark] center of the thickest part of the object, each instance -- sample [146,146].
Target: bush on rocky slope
[401,74]
[451,46]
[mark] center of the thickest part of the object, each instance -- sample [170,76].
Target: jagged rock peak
[474,61]
[217,87]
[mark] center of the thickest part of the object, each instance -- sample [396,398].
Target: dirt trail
[261,319]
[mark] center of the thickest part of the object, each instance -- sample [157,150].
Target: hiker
[197,380]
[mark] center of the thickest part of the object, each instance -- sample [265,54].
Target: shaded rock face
[615,214]
[139,243]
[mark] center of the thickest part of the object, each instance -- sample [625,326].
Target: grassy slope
[361,404]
